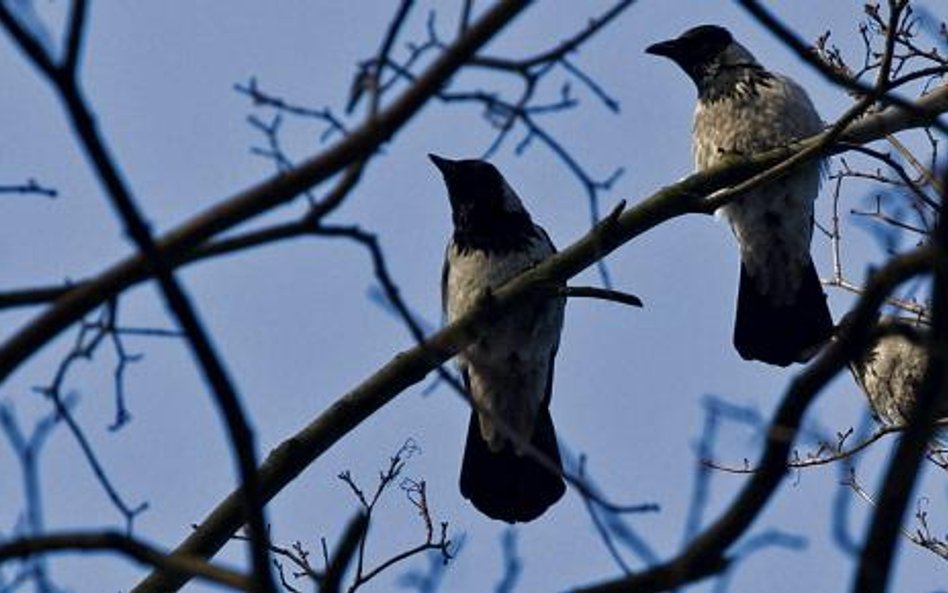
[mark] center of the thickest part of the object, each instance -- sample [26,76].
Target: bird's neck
[732,81]
[494,234]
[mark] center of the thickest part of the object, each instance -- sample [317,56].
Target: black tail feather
[507,486]
[784,334]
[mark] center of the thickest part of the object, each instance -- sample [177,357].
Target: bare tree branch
[354,534]
[65,81]
[30,187]
[789,38]
[922,537]
[707,552]
[134,549]
[826,454]
[875,562]
[411,366]
[281,188]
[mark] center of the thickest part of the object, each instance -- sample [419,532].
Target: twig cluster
[906,178]
[435,539]
[381,75]
[921,535]
[293,562]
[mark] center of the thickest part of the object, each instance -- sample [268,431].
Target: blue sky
[297,326]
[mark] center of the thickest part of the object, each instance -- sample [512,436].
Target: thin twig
[605,294]
[30,187]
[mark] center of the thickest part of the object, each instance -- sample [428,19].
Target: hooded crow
[742,109]
[509,371]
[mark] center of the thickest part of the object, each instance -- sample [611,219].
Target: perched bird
[890,372]
[509,371]
[742,109]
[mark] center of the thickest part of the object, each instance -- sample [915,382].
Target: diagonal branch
[132,548]
[706,553]
[562,50]
[804,52]
[123,202]
[74,36]
[290,458]
[875,562]
[263,197]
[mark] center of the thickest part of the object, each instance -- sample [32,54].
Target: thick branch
[354,148]
[706,553]
[409,367]
[279,189]
[875,562]
[119,193]
[135,549]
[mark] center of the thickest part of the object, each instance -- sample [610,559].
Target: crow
[508,372]
[782,315]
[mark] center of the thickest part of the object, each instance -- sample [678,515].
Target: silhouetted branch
[604,294]
[261,98]
[177,244]
[27,448]
[920,537]
[513,565]
[906,181]
[417,495]
[352,545]
[373,72]
[826,453]
[875,562]
[225,215]
[804,52]
[30,187]
[429,580]
[352,537]
[89,338]
[834,233]
[134,549]
[563,49]
[411,366]
[65,81]
[29,297]
[74,36]
[707,553]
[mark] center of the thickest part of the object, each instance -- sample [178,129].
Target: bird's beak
[446,166]
[669,48]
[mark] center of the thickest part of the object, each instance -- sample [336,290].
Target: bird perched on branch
[508,372]
[890,371]
[743,109]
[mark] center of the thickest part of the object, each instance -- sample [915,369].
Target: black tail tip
[782,334]
[516,507]
[509,487]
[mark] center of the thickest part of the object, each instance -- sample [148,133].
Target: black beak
[669,48]
[446,166]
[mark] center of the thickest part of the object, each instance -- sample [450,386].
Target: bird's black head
[487,214]
[699,51]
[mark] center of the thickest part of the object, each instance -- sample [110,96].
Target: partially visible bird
[742,109]
[509,371]
[890,371]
